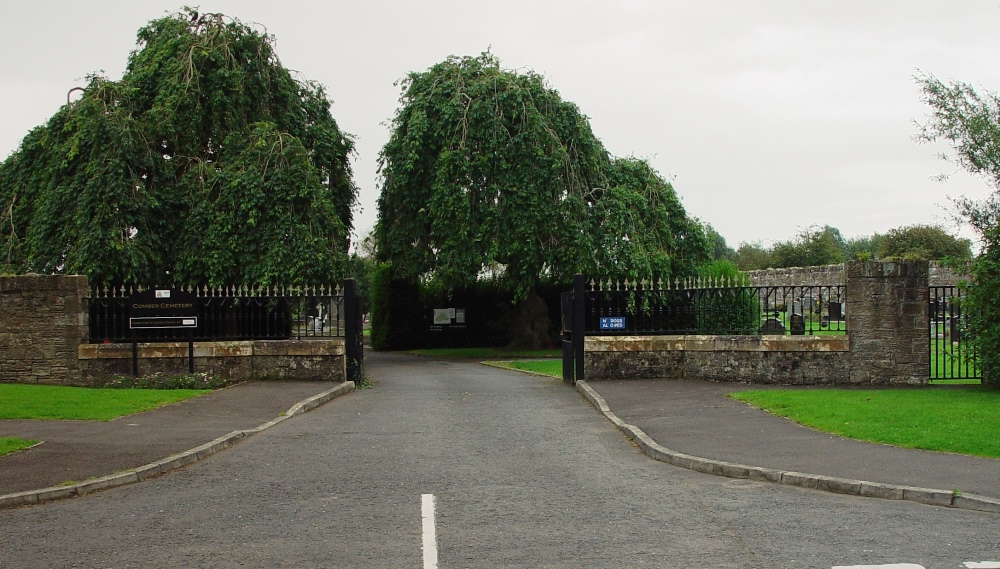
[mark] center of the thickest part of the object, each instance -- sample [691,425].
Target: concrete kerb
[172,462]
[864,488]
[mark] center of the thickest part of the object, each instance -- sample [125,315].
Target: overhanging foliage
[207,163]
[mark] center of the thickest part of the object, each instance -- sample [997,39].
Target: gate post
[352,332]
[579,296]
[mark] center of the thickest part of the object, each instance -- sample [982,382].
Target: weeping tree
[489,172]
[485,169]
[639,229]
[207,163]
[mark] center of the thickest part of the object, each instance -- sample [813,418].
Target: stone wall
[301,360]
[42,321]
[43,333]
[888,321]
[826,275]
[800,360]
[835,275]
[886,341]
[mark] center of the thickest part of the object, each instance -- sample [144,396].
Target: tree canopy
[207,163]
[922,242]
[490,170]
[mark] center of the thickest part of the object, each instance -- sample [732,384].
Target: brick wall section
[887,319]
[42,321]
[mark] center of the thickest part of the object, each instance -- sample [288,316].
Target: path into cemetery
[455,464]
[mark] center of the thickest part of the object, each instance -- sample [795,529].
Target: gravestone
[772,326]
[795,307]
[836,312]
[797,324]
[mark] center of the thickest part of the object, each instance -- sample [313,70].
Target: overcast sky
[768,116]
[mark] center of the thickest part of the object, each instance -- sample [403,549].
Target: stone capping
[698,343]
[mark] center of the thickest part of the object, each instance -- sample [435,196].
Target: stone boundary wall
[42,321]
[835,275]
[826,275]
[300,360]
[797,360]
[43,334]
[886,342]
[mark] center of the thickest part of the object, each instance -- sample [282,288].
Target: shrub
[729,310]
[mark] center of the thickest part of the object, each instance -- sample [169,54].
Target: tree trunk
[530,326]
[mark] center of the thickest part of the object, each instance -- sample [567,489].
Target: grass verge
[20,401]
[11,444]
[960,420]
[543,367]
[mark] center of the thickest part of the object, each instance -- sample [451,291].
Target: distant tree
[970,122]
[717,243]
[207,163]
[863,248]
[923,242]
[813,247]
[753,256]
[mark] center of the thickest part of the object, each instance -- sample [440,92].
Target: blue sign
[613,323]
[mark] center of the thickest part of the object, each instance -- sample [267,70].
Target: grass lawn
[19,401]
[961,420]
[543,367]
[11,444]
[486,353]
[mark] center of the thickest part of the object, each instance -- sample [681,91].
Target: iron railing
[713,307]
[228,313]
[952,353]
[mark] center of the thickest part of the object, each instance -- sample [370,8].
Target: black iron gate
[573,331]
[354,342]
[952,354]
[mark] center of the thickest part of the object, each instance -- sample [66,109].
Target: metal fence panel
[952,353]
[230,313]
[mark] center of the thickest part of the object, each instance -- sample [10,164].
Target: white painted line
[890,566]
[983,564]
[430,539]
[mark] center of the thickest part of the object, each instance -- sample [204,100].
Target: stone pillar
[43,321]
[887,319]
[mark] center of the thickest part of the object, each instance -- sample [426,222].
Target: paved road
[523,472]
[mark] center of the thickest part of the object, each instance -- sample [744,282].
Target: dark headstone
[772,326]
[836,312]
[797,324]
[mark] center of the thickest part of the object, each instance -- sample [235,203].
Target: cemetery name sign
[162,308]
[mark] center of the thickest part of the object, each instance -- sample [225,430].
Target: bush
[985,312]
[726,310]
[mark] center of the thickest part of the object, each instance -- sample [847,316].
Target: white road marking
[983,564]
[430,538]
